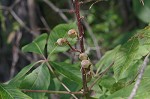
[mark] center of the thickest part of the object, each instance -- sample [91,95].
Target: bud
[85,63]
[72,33]
[61,41]
[83,56]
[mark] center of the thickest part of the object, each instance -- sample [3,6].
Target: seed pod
[61,41]
[72,33]
[85,63]
[83,56]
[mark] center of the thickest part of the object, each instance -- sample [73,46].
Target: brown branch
[81,34]
[80,27]
[138,81]
[51,92]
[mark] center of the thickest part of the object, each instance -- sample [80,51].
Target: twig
[96,2]
[45,23]
[62,15]
[67,10]
[87,1]
[14,4]
[10,7]
[16,17]
[138,81]
[100,76]
[142,1]
[27,57]
[15,53]
[21,22]
[51,92]
[73,49]
[32,16]
[4,7]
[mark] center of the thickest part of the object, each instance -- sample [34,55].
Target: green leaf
[68,71]
[127,57]
[71,85]
[60,31]
[142,11]
[37,46]
[20,76]
[143,90]
[39,79]
[10,92]
[107,82]
[107,59]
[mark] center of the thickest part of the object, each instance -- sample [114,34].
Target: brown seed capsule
[61,41]
[85,63]
[72,33]
[83,56]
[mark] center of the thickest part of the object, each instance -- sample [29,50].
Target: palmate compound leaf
[37,45]
[127,55]
[60,31]
[11,92]
[68,70]
[39,79]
